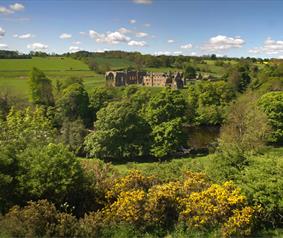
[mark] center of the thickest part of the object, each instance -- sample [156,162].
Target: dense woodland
[58,151]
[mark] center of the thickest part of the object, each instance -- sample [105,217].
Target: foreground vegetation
[76,162]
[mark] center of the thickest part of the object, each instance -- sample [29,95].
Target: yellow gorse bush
[128,208]
[161,204]
[240,223]
[212,206]
[143,201]
[135,180]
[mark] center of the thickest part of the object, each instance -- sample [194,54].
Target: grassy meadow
[14,73]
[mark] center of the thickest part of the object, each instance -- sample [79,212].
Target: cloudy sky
[196,27]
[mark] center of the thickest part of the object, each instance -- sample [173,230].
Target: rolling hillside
[14,73]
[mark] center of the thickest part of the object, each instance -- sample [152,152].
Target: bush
[38,219]
[212,207]
[272,104]
[262,183]
[48,172]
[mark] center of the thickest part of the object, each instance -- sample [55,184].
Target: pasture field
[14,73]
[114,63]
[43,63]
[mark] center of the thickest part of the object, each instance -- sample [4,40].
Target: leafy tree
[246,127]
[119,133]
[165,106]
[239,77]
[73,134]
[272,104]
[47,172]
[167,138]
[8,168]
[165,113]
[138,97]
[244,132]
[73,104]
[26,128]
[190,72]
[99,98]
[208,102]
[41,88]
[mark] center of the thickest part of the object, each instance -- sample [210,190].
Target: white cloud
[132,21]
[193,53]
[177,52]
[4,10]
[2,32]
[270,47]
[146,2]
[124,30]
[3,46]
[109,38]
[141,34]
[147,25]
[73,49]
[162,53]
[187,46]
[65,36]
[222,43]
[37,46]
[137,43]
[17,7]
[170,41]
[24,36]
[101,51]
[77,42]
[93,34]
[82,33]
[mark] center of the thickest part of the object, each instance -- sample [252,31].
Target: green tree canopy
[26,128]
[272,104]
[73,104]
[99,98]
[190,72]
[41,88]
[119,133]
[47,172]
[208,102]
[165,106]
[167,138]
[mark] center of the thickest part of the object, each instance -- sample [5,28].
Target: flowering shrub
[161,204]
[211,207]
[128,208]
[194,182]
[135,180]
[138,203]
[240,223]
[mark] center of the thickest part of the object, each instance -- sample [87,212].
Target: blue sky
[197,27]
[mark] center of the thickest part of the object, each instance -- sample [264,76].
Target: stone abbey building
[124,78]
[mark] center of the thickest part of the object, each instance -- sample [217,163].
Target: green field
[14,73]
[175,167]
[114,63]
[43,63]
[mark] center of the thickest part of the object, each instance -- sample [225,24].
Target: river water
[202,136]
